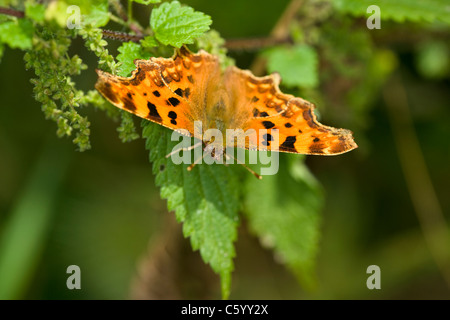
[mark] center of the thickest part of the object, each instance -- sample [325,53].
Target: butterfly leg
[245,166]
[185,149]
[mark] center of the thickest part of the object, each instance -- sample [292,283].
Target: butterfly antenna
[245,166]
[185,149]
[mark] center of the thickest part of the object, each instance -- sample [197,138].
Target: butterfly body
[191,92]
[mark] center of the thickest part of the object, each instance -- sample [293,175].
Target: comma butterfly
[186,88]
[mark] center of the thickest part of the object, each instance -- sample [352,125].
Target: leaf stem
[12,12]
[121,36]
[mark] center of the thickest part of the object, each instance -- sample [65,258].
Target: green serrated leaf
[399,10]
[176,25]
[298,65]
[35,11]
[129,51]
[97,14]
[205,200]
[283,211]
[17,33]
[147,2]
[149,42]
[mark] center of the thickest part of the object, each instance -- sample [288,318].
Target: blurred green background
[101,210]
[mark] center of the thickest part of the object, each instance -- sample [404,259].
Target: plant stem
[119,9]
[130,10]
[121,36]
[254,43]
[12,12]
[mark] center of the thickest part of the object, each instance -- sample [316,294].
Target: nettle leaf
[17,33]
[35,11]
[205,200]
[176,25]
[283,210]
[97,14]
[149,42]
[400,10]
[298,65]
[129,51]
[147,2]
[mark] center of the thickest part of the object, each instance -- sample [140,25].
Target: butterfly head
[215,150]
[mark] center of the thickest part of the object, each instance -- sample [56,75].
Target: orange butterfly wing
[161,90]
[298,129]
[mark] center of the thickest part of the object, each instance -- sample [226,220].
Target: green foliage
[205,200]
[53,84]
[433,60]
[94,42]
[297,65]
[35,11]
[149,42]
[93,13]
[400,10]
[146,2]
[212,42]
[129,51]
[284,212]
[97,15]
[24,237]
[176,25]
[17,33]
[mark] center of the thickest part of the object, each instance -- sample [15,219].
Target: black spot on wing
[263,114]
[288,144]
[255,112]
[316,139]
[156,93]
[191,80]
[268,124]
[179,92]
[174,101]
[172,115]
[153,112]
[288,125]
